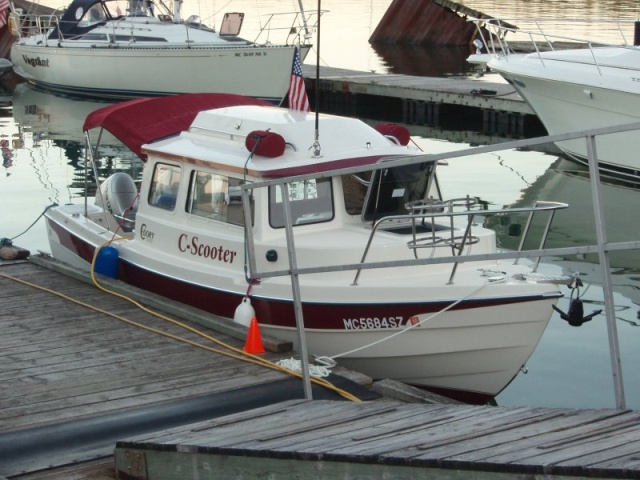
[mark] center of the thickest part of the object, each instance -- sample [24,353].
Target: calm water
[571,366]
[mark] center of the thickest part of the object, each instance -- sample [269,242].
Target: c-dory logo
[36,62]
[146,234]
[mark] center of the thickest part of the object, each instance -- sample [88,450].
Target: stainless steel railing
[449,237]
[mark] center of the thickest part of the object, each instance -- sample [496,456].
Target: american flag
[4,12]
[297,94]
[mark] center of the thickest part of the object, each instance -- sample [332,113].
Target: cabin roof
[219,137]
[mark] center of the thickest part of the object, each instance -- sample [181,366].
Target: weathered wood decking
[74,378]
[77,383]
[391,440]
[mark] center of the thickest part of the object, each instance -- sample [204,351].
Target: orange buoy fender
[265,143]
[397,132]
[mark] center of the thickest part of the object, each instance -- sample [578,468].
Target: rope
[490,93]
[237,354]
[316,371]
[34,222]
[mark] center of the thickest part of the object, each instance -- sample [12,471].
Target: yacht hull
[569,93]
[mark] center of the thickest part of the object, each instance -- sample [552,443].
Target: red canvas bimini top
[144,120]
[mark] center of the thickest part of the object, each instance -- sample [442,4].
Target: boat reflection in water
[572,367]
[46,117]
[52,116]
[569,182]
[425,61]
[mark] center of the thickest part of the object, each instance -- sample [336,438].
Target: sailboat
[120,49]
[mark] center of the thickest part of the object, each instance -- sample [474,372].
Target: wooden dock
[390,440]
[76,375]
[85,395]
[453,103]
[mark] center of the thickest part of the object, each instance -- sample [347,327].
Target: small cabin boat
[236,194]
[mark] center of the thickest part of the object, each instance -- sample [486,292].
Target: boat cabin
[81,18]
[338,193]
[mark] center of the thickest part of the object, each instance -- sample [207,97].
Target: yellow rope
[239,353]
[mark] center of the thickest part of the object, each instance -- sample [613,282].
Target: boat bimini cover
[144,120]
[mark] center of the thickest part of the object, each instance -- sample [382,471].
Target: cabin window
[354,189]
[216,196]
[140,8]
[93,16]
[116,8]
[311,201]
[164,186]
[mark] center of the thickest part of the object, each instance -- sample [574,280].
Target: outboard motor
[118,195]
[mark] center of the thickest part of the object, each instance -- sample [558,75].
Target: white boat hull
[449,353]
[569,93]
[257,71]
[470,352]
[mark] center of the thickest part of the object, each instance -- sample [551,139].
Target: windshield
[392,188]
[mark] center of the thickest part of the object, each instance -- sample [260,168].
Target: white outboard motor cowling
[118,195]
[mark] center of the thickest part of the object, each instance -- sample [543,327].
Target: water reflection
[50,116]
[425,61]
[57,120]
[569,182]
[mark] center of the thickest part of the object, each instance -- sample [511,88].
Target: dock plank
[80,367]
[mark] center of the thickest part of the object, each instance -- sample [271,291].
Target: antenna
[316,144]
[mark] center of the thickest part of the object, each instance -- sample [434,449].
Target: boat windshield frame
[391,189]
[83,16]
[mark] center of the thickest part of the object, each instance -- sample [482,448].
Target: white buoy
[244,313]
